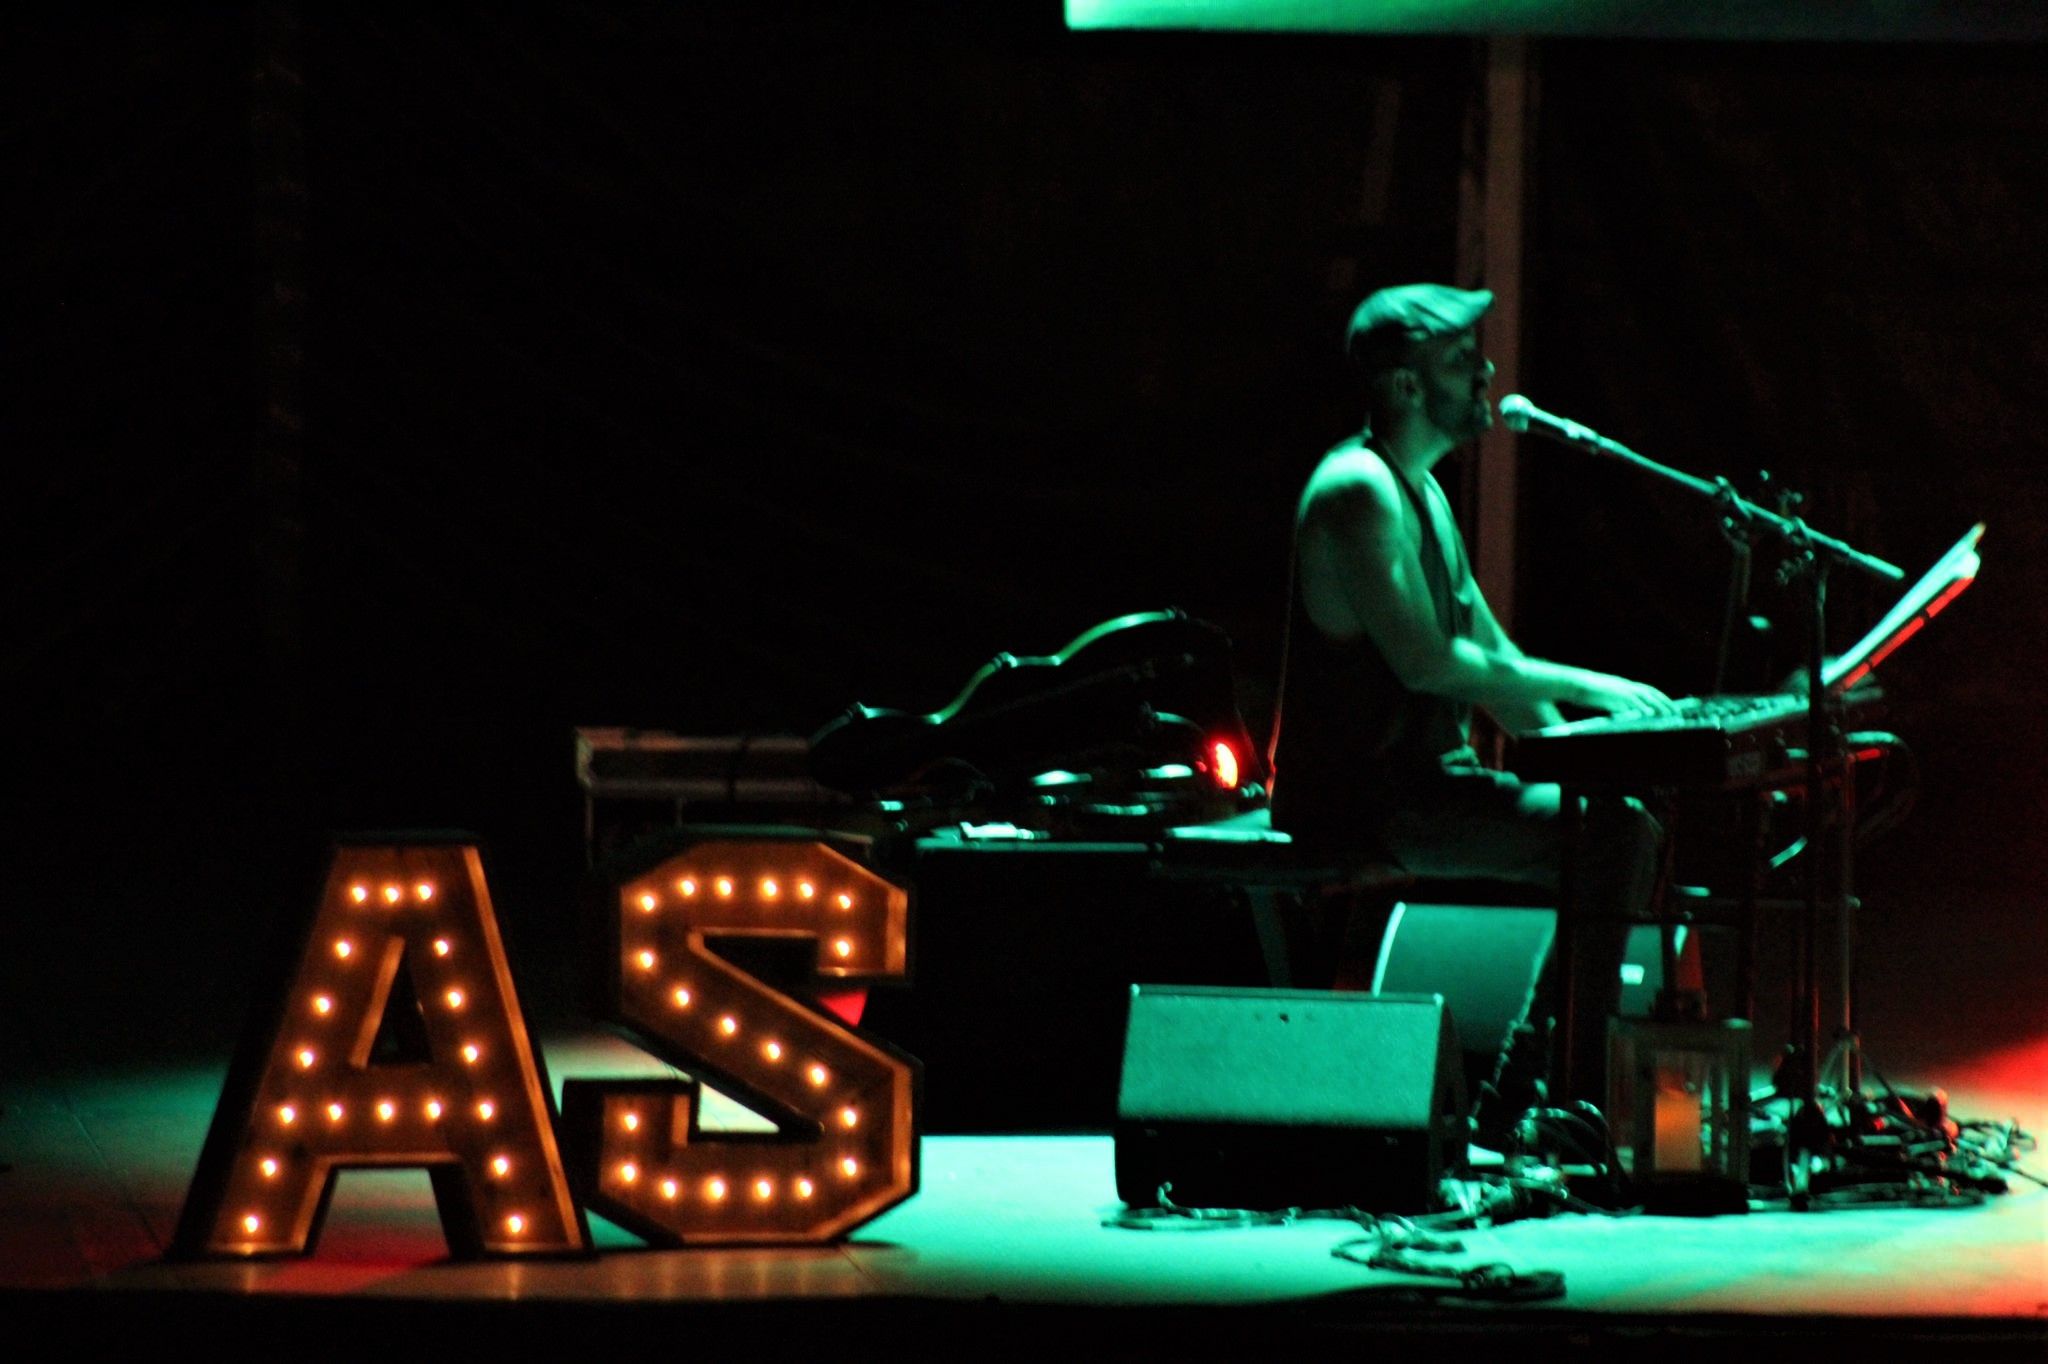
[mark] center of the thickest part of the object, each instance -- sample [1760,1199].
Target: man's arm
[1362,575]
[1514,717]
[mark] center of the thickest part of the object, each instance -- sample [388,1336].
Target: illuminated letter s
[846,1145]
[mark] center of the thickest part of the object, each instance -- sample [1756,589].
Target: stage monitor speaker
[1263,1098]
[1484,960]
[1487,960]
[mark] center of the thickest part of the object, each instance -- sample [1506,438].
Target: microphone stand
[1735,603]
[1809,1141]
[1736,531]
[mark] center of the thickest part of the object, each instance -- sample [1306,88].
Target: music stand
[1809,1137]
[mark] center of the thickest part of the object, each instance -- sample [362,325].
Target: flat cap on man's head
[1392,320]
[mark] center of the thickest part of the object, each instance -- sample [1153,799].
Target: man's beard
[1459,415]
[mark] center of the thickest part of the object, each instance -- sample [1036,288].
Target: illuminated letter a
[399,1042]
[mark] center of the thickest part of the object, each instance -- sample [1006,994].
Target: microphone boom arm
[1521,415]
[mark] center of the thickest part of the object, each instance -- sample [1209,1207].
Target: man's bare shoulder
[1352,484]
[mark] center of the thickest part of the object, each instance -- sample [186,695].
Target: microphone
[1524,416]
[1515,410]
[1520,415]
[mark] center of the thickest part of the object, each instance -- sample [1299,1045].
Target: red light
[1912,628]
[846,1004]
[1223,765]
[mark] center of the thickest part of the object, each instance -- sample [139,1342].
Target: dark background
[710,367]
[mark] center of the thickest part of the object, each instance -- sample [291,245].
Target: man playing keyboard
[1390,645]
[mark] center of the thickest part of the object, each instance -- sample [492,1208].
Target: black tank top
[1348,737]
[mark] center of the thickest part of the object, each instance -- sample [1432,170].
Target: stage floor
[1004,1244]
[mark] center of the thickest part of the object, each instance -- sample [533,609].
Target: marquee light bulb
[515,1224]
[843,900]
[470,1052]
[669,1188]
[629,1172]
[681,997]
[486,1110]
[392,895]
[723,885]
[306,1058]
[454,999]
[269,1167]
[714,1189]
[804,1188]
[424,890]
[287,1115]
[252,1224]
[645,960]
[848,1117]
[500,1166]
[335,1112]
[817,1075]
[772,1050]
[806,891]
[688,887]
[433,1110]
[842,948]
[631,1122]
[343,947]
[764,1189]
[441,947]
[849,1167]
[728,1025]
[386,1110]
[648,902]
[769,889]
[359,893]
[323,1004]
